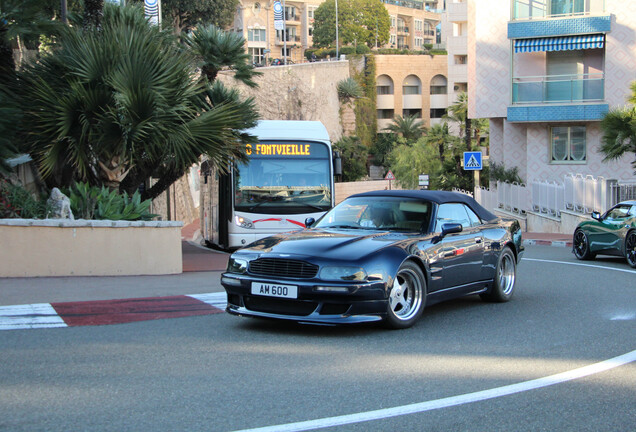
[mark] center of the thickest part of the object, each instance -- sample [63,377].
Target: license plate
[274,290]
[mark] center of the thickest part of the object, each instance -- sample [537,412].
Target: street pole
[337,49]
[284,34]
[64,9]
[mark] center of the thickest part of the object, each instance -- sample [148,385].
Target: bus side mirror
[337,164]
[309,222]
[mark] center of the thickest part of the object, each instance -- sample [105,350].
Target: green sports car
[614,233]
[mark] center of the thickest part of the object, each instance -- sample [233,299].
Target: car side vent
[283,268]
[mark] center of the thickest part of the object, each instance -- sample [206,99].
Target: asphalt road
[467,366]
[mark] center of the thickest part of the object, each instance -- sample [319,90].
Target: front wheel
[581,245]
[505,275]
[630,248]
[407,297]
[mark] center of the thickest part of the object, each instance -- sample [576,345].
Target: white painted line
[453,400]
[31,316]
[217,299]
[580,264]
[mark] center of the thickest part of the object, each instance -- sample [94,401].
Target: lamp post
[337,49]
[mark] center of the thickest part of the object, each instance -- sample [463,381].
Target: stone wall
[343,190]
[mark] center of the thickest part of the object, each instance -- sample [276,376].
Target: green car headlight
[346,273]
[237,265]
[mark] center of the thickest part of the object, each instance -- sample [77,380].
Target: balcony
[542,9]
[403,29]
[558,89]
[288,39]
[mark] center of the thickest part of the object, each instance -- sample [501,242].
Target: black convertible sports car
[380,255]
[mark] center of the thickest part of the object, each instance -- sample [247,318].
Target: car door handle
[477,239]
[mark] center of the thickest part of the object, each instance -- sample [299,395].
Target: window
[439,85]
[385,114]
[393,21]
[392,39]
[621,211]
[290,13]
[256,35]
[418,42]
[452,213]
[384,90]
[438,112]
[568,144]
[285,54]
[460,59]
[257,54]
[412,85]
[310,12]
[417,113]
[419,25]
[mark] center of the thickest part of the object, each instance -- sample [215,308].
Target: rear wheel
[630,248]
[407,297]
[581,245]
[505,275]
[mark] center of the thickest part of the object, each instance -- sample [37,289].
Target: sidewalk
[79,300]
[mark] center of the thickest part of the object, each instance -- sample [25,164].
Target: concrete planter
[62,247]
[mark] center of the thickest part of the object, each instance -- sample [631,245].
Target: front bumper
[364,302]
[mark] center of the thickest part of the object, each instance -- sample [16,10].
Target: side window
[632,211]
[451,213]
[474,219]
[618,212]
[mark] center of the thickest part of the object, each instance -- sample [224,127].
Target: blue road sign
[472,161]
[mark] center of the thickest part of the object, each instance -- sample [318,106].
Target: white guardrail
[577,194]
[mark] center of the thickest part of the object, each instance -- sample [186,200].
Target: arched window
[412,85]
[384,85]
[439,85]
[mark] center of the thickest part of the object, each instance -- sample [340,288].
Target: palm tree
[619,130]
[409,127]
[216,50]
[459,112]
[438,135]
[118,105]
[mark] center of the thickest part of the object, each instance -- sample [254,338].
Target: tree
[354,158]
[409,161]
[216,49]
[185,15]
[619,130]
[409,127]
[459,113]
[359,22]
[117,105]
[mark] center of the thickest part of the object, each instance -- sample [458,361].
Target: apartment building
[545,72]
[412,26]
[454,28]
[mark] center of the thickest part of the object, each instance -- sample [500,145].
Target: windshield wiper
[342,226]
[311,206]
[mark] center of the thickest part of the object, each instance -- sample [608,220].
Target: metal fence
[577,194]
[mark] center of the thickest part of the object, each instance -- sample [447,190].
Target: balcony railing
[541,9]
[558,88]
[288,38]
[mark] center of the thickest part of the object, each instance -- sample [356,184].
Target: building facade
[454,28]
[544,72]
[412,26]
[411,85]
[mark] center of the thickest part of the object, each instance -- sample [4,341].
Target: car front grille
[279,306]
[283,268]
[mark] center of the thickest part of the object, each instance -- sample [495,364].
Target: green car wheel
[630,249]
[581,246]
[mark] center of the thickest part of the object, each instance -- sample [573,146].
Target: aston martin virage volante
[613,233]
[381,255]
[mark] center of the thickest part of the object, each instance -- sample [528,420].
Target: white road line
[217,299]
[580,264]
[31,316]
[453,400]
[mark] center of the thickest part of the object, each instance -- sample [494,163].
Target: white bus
[289,177]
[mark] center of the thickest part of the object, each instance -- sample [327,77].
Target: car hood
[349,245]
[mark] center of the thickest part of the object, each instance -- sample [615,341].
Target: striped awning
[561,43]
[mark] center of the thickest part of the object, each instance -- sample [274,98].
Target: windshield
[292,182]
[379,213]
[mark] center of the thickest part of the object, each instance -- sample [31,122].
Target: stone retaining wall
[62,247]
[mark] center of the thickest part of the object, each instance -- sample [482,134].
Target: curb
[553,243]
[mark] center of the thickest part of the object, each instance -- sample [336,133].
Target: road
[452,371]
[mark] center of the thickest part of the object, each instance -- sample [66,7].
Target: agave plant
[349,89]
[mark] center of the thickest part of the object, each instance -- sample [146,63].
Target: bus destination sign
[278,149]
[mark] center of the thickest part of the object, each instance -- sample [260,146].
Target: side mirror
[309,222]
[596,215]
[451,228]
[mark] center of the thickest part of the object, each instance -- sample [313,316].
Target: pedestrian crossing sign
[472,161]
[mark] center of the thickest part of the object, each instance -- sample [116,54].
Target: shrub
[92,202]
[17,202]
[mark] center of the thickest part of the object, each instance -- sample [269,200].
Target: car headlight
[343,273]
[237,265]
[243,222]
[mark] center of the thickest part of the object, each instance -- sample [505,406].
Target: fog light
[230,281]
[332,289]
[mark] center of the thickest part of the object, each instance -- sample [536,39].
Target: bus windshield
[278,184]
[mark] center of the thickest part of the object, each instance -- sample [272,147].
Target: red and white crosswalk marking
[103,312]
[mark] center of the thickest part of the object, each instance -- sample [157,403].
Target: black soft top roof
[439,197]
